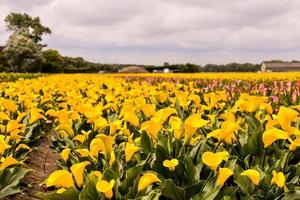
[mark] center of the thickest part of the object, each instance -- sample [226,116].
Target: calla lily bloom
[130,149]
[285,117]
[171,164]
[191,124]
[148,109]
[226,133]
[146,180]
[278,179]
[35,114]
[131,118]
[8,162]
[163,114]
[273,134]
[214,159]
[96,146]
[66,128]
[151,127]
[224,174]
[60,178]
[77,171]
[253,175]
[65,154]
[106,188]
[108,142]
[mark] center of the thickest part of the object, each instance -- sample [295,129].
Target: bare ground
[42,162]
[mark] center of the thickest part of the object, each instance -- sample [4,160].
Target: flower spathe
[224,174]
[146,180]
[60,178]
[171,164]
[253,175]
[213,160]
[106,187]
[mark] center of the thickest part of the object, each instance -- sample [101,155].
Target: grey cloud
[153,31]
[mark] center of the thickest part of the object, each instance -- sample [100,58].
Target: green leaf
[131,174]
[170,190]
[70,193]
[146,143]
[10,179]
[254,142]
[89,191]
[153,195]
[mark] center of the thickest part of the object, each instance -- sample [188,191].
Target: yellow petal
[77,171]
[214,159]
[152,128]
[273,134]
[60,178]
[130,149]
[253,175]
[146,180]
[8,162]
[106,188]
[224,174]
[65,154]
[278,179]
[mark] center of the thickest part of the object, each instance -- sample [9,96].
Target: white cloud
[154,31]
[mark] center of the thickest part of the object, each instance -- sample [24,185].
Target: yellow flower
[112,158]
[294,143]
[114,126]
[106,188]
[35,114]
[228,116]
[224,174]
[253,175]
[60,178]
[131,118]
[285,117]
[146,180]
[130,149]
[13,125]
[191,124]
[65,154]
[77,171]
[96,146]
[4,144]
[176,125]
[22,146]
[171,164]
[108,142]
[273,134]
[214,159]
[278,179]
[152,128]
[148,109]
[226,133]
[66,128]
[8,162]
[163,114]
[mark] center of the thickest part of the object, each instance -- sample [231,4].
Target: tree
[52,61]
[22,52]
[16,21]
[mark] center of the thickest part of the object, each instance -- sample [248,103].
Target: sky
[174,31]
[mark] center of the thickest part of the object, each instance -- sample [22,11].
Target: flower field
[157,136]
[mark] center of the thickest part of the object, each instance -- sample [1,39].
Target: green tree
[22,53]
[16,21]
[52,61]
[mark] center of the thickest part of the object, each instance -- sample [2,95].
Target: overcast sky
[177,31]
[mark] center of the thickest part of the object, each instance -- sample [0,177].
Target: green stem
[206,181]
[216,147]
[264,158]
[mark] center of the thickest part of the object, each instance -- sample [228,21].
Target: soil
[42,162]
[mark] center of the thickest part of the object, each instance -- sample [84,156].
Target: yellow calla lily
[65,154]
[226,133]
[285,117]
[273,134]
[130,149]
[191,124]
[146,180]
[152,128]
[131,118]
[77,171]
[278,179]
[96,146]
[67,128]
[214,159]
[106,188]
[171,164]
[8,162]
[253,175]
[224,174]
[60,178]
[108,142]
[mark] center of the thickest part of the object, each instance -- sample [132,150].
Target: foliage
[17,21]
[22,52]
[52,61]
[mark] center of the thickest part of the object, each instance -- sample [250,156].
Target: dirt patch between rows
[42,162]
